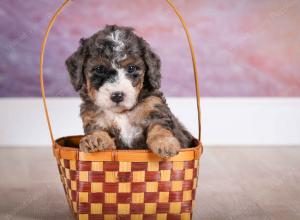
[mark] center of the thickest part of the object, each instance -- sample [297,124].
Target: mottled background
[244,47]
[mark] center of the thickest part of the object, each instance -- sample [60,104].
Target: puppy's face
[112,67]
[115,83]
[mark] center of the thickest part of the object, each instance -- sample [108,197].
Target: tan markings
[97,141]
[162,142]
[126,62]
[99,61]
[143,109]
[89,117]
[139,85]
[91,91]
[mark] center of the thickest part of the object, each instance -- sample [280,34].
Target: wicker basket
[126,184]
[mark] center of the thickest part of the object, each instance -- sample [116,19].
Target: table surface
[235,183]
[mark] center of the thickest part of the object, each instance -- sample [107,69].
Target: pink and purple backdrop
[244,47]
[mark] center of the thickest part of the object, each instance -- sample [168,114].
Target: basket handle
[50,25]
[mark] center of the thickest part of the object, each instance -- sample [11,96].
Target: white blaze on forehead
[124,84]
[116,37]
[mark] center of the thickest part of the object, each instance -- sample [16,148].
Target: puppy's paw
[97,142]
[165,147]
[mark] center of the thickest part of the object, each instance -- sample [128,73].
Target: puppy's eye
[100,69]
[131,69]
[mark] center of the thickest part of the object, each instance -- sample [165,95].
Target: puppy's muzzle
[117,97]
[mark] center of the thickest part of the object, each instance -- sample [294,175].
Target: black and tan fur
[100,65]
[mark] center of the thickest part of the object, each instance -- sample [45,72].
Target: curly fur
[143,119]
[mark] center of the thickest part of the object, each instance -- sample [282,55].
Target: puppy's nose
[117,97]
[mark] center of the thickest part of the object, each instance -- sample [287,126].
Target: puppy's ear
[75,65]
[152,75]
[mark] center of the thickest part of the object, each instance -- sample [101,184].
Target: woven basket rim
[61,151]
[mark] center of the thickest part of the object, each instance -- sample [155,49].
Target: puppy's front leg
[162,142]
[97,141]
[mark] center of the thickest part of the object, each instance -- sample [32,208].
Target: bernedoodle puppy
[118,78]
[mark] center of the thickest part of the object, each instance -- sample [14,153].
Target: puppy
[118,78]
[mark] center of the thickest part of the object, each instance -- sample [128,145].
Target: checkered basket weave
[113,185]
[120,184]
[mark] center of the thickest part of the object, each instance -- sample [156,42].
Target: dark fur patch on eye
[99,78]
